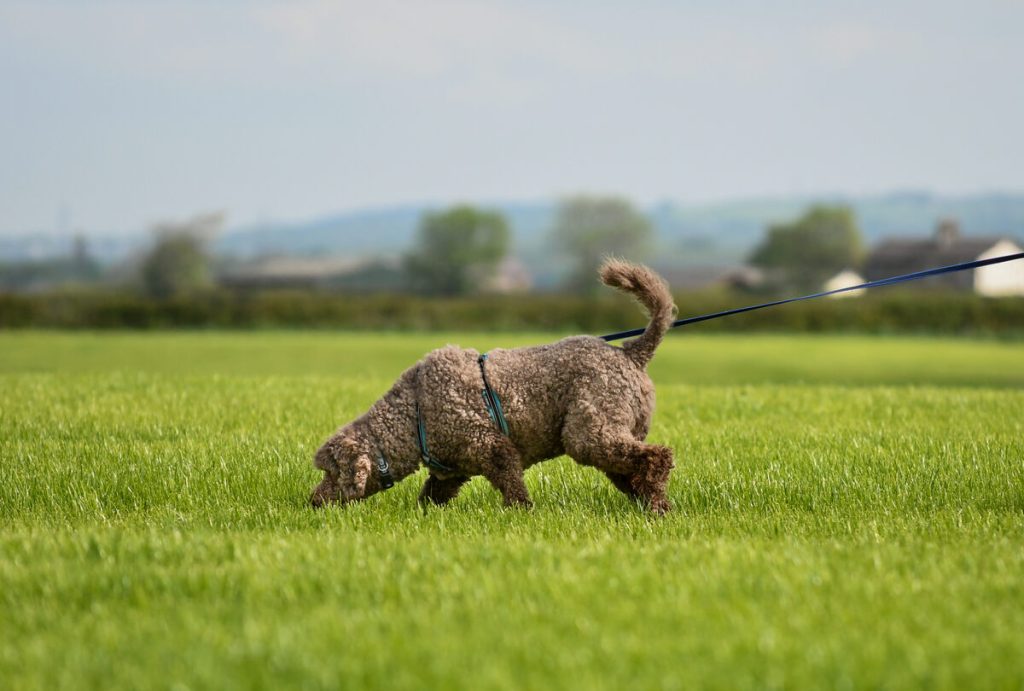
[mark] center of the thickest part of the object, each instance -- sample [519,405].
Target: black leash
[963,266]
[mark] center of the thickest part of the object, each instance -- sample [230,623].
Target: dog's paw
[522,504]
[660,506]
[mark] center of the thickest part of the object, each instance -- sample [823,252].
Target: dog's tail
[652,292]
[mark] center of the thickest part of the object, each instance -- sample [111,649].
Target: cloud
[346,42]
[298,104]
[844,42]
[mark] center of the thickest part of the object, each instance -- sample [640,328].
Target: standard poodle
[463,414]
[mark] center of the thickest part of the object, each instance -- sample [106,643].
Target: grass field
[849,513]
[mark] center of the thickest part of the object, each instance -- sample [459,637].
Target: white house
[1000,279]
[948,246]
[845,279]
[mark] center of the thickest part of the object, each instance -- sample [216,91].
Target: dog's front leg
[440,491]
[504,469]
[623,482]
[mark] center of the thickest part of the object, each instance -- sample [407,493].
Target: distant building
[290,272]
[744,278]
[352,275]
[510,276]
[711,277]
[948,246]
[845,279]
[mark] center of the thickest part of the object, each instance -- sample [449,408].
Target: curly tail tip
[652,292]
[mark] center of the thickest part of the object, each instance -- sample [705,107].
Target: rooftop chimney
[947,232]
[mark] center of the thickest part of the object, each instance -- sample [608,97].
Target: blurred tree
[78,268]
[804,253]
[456,250]
[80,256]
[179,261]
[590,228]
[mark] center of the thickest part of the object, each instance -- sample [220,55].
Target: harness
[386,481]
[384,468]
[421,437]
[494,411]
[491,400]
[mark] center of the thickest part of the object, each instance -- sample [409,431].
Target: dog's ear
[355,488]
[346,462]
[355,467]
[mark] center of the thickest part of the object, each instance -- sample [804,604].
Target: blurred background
[467,164]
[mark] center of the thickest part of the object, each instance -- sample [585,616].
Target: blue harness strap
[963,266]
[491,400]
[421,436]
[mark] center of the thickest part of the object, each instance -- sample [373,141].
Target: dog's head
[345,460]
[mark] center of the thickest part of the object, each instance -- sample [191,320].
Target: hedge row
[886,311]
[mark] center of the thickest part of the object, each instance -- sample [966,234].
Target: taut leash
[963,266]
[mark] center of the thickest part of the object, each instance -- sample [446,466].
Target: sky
[116,115]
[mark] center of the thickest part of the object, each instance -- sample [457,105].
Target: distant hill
[732,229]
[687,234]
[390,230]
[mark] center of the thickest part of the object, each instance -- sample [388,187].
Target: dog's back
[541,386]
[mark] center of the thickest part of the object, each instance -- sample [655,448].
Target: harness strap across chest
[494,411]
[421,437]
[491,400]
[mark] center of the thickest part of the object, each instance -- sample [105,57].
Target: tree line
[457,251]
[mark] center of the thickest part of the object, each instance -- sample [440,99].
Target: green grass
[849,513]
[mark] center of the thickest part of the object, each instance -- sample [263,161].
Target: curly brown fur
[579,396]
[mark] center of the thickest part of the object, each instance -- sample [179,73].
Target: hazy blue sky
[129,112]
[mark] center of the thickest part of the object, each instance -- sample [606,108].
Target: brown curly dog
[579,396]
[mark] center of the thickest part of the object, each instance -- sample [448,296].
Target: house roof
[699,277]
[947,246]
[297,267]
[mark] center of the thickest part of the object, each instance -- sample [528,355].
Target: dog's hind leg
[440,491]
[651,479]
[638,469]
[504,469]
